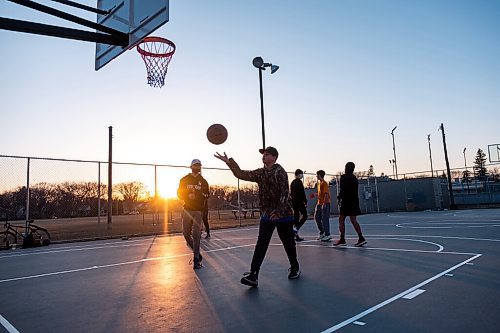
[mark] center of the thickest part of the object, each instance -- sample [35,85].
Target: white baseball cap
[195,161]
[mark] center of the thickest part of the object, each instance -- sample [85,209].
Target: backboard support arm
[84,7]
[50,30]
[115,37]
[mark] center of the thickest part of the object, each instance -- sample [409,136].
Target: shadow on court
[419,272]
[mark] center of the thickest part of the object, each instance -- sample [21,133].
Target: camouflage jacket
[273,189]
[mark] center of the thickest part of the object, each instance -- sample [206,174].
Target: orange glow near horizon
[167,188]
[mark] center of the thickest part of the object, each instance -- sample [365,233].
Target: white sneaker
[326,238]
[321,235]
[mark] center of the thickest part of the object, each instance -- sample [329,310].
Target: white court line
[71,249]
[414,294]
[453,224]
[116,244]
[8,326]
[89,247]
[440,247]
[381,249]
[117,264]
[444,237]
[392,299]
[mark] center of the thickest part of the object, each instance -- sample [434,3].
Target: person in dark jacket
[349,205]
[299,203]
[275,211]
[193,190]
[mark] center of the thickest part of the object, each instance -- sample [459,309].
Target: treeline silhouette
[81,199]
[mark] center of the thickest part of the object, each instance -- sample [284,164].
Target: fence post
[110,176]
[239,203]
[98,192]
[28,192]
[376,193]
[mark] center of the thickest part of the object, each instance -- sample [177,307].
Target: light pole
[465,159]
[259,63]
[466,172]
[394,150]
[392,163]
[430,154]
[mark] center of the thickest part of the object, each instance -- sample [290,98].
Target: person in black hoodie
[193,190]
[275,211]
[299,203]
[349,205]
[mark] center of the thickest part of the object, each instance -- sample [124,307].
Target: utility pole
[450,189]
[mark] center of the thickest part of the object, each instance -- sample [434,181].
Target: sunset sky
[349,72]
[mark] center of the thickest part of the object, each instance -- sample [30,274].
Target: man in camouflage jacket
[276,211]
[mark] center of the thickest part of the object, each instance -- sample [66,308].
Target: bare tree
[131,191]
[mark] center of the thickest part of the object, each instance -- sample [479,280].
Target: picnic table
[245,212]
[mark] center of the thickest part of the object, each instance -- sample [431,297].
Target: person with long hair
[349,205]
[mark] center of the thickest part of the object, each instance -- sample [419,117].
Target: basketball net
[156,53]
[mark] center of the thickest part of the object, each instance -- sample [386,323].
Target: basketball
[217,134]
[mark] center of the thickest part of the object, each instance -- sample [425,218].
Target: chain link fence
[70,197]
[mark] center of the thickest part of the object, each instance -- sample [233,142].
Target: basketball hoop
[156,53]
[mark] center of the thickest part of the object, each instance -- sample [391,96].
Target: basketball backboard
[137,18]
[494,153]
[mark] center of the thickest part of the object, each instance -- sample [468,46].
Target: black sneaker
[361,242]
[197,262]
[207,236]
[340,242]
[298,238]
[250,279]
[293,274]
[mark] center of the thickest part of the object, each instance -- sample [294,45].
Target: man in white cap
[193,190]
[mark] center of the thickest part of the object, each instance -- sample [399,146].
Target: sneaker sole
[294,277]
[337,245]
[249,283]
[360,244]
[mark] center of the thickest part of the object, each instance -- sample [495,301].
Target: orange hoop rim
[152,40]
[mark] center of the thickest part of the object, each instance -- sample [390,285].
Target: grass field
[89,228]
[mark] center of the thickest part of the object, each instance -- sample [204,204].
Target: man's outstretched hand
[223,158]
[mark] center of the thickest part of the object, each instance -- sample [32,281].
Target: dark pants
[205,221]
[299,221]
[285,233]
